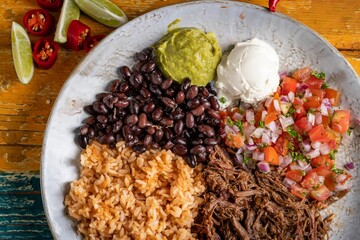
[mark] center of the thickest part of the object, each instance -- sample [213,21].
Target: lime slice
[21,52]
[69,12]
[103,11]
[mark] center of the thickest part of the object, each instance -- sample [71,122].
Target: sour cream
[249,72]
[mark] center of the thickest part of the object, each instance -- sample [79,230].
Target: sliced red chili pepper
[272,5]
[77,34]
[45,53]
[51,5]
[38,22]
[92,41]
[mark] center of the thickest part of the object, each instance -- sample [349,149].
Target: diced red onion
[324,110]
[341,177]
[307,93]
[291,96]
[298,167]
[251,147]
[307,169]
[283,74]
[324,149]
[229,129]
[277,105]
[249,130]
[302,86]
[263,115]
[311,118]
[288,182]
[272,126]
[250,141]
[249,114]
[350,165]
[265,138]
[286,121]
[357,121]
[340,187]
[264,166]
[303,164]
[318,118]
[235,129]
[321,179]
[284,98]
[268,102]
[305,146]
[313,154]
[258,132]
[316,145]
[237,116]
[327,103]
[258,156]
[274,136]
[285,161]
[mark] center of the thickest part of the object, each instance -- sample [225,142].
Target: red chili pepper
[51,5]
[45,53]
[77,34]
[272,5]
[92,41]
[38,22]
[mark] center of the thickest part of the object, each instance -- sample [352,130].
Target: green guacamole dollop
[188,53]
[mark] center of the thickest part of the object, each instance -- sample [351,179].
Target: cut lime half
[69,12]
[103,11]
[21,52]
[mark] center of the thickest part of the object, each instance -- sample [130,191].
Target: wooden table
[24,109]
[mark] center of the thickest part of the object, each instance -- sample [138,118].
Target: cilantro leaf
[222,100]
[319,75]
[262,124]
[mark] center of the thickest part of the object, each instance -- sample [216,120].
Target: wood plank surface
[24,109]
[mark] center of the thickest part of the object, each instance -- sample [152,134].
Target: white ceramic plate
[296,45]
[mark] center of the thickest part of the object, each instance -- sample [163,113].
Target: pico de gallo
[297,130]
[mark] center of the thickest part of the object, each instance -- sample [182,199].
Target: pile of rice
[125,195]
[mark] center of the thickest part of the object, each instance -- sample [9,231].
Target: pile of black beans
[148,110]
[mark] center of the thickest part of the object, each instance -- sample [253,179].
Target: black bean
[198,111]
[149,107]
[214,103]
[168,133]
[136,80]
[197,142]
[206,104]
[180,97]
[136,130]
[179,149]
[155,78]
[165,121]
[110,100]
[99,126]
[170,92]
[121,113]
[120,96]
[201,157]
[189,120]
[211,141]
[145,92]
[137,66]
[158,135]
[198,149]
[126,132]
[168,145]
[213,122]
[150,130]
[168,102]
[125,72]
[178,127]
[91,133]
[185,85]
[124,87]
[102,119]
[155,89]
[191,160]
[147,140]
[148,67]
[192,92]
[157,114]
[134,107]
[122,104]
[177,114]
[207,130]
[155,145]
[141,56]
[209,149]
[90,120]
[99,107]
[113,86]
[107,139]
[140,148]
[180,140]
[166,84]
[117,126]
[89,110]
[212,113]
[200,119]
[143,122]
[193,103]
[82,140]
[100,96]
[132,142]
[211,89]
[204,91]
[84,130]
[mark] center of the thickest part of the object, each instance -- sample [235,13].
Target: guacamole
[188,53]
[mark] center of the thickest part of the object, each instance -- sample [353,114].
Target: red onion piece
[307,169]
[324,149]
[283,74]
[305,146]
[302,86]
[265,138]
[291,96]
[357,121]
[307,93]
[318,118]
[268,102]
[237,116]
[298,167]
[321,179]
[252,147]
[350,165]
[286,121]
[284,99]
[258,132]
[263,115]
[313,154]
[277,105]
[311,118]
[249,130]
[288,182]
[258,156]
[264,166]
[316,145]
[285,161]
[272,126]
[249,114]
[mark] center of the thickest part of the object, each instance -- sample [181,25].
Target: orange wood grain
[24,109]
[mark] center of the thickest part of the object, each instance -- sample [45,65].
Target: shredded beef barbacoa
[246,205]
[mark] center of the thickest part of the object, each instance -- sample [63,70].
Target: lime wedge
[69,12]
[103,11]
[21,52]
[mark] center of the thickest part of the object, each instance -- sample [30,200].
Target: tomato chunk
[304,124]
[282,146]
[320,193]
[302,74]
[295,175]
[318,134]
[271,156]
[312,102]
[298,104]
[318,92]
[288,85]
[333,95]
[331,181]
[299,191]
[322,160]
[341,121]
[310,180]
[314,82]
[323,170]
[234,140]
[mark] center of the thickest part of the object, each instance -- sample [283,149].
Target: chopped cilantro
[311,110]
[262,124]
[290,112]
[298,156]
[239,124]
[336,170]
[319,75]
[348,132]
[263,145]
[291,146]
[247,160]
[332,154]
[230,122]
[303,173]
[324,85]
[293,133]
[222,100]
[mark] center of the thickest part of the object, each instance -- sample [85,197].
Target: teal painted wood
[21,211]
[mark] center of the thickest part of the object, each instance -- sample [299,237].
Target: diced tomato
[340,121]
[331,181]
[298,104]
[312,102]
[295,175]
[234,140]
[303,124]
[322,160]
[325,121]
[319,134]
[334,138]
[271,108]
[314,82]
[320,193]
[282,146]
[333,95]
[302,74]
[323,170]
[347,177]
[310,180]
[299,191]
[270,117]
[318,92]
[258,116]
[271,156]
[288,85]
